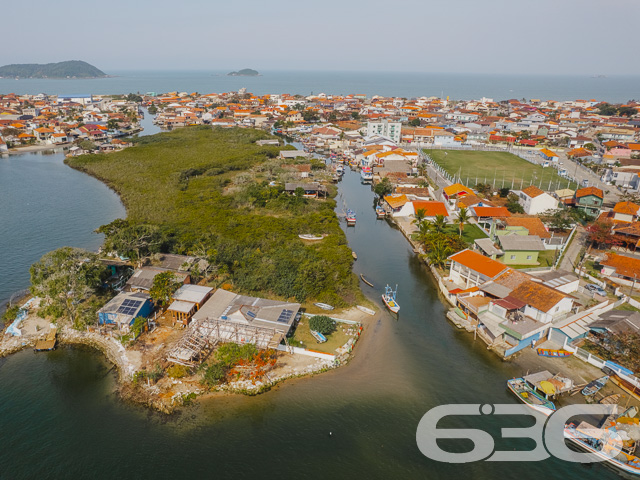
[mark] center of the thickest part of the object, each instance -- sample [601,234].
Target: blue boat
[320,338]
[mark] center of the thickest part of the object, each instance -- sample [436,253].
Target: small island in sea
[67,69]
[245,72]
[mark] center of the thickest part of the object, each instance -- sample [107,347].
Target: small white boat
[389,299]
[323,306]
[366,310]
[310,238]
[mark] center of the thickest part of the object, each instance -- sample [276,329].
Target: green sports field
[497,168]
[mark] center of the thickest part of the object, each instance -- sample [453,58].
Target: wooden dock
[48,343]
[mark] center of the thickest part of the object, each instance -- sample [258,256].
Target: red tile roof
[583,192]
[478,263]
[537,295]
[532,191]
[626,266]
[499,212]
[628,208]
[431,209]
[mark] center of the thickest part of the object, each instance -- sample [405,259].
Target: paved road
[570,259]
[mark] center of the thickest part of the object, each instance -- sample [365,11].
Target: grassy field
[470,232]
[306,340]
[208,190]
[497,168]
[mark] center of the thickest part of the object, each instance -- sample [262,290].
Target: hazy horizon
[421,36]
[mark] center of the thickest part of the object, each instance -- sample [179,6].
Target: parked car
[592,287]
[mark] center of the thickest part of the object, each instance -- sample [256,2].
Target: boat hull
[546,410]
[571,436]
[391,304]
[543,352]
[366,310]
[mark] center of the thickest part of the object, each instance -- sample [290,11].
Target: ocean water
[401,84]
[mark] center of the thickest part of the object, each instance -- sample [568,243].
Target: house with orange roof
[549,155]
[471,269]
[589,199]
[535,200]
[621,267]
[625,212]
[453,192]
[430,209]
[396,202]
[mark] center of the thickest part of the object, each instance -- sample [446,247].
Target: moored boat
[323,306]
[594,387]
[366,310]
[389,299]
[380,213]
[354,255]
[607,443]
[527,395]
[351,217]
[366,174]
[366,281]
[545,352]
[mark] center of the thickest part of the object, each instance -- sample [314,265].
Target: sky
[558,37]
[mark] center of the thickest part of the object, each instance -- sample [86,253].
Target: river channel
[60,418]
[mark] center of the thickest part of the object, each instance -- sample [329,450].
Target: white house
[535,201]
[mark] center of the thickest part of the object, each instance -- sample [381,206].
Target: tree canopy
[67,279]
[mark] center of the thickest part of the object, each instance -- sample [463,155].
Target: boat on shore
[324,306]
[366,310]
[611,399]
[366,281]
[311,238]
[530,397]
[389,299]
[595,386]
[320,338]
[380,213]
[545,352]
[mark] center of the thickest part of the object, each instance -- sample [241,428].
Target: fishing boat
[527,395]
[606,443]
[351,217]
[545,352]
[323,306]
[354,255]
[594,387]
[340,170]
[311,238]
[366,310]
[366,174]
[380,213]
[389,299]
[366,281]
[320,338]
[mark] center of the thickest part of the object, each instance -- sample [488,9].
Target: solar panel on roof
[285,315]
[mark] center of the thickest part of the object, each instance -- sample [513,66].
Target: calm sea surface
[59,417]
[456,86]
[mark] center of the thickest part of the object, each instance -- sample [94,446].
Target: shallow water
[60,419]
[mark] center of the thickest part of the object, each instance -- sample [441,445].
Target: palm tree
[423,233]
[463,217]
[420,213]
[439,252]
[439,224]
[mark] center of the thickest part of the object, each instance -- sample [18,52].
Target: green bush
[229,354]
[323,324]
[213,374]
[11,313]
[177,371]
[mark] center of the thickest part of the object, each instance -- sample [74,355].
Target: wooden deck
[47,344]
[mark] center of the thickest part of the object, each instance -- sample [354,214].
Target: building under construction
[228,317]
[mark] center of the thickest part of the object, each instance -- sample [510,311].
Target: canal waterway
[59,417]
